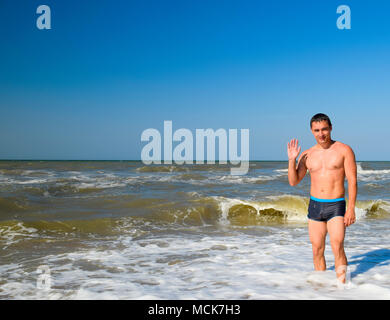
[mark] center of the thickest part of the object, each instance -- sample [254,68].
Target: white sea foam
[284,171]
[360,170]
[100,185]
[272,265]
[11,234]
[367,175]
[31,181]
[221,180]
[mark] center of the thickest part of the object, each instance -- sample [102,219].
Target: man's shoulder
[342,147]
[307,151]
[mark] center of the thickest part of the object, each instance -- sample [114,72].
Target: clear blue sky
[107,70]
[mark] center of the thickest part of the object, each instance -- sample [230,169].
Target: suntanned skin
[329,163]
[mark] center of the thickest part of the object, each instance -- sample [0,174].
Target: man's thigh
[317,232]
[336,229]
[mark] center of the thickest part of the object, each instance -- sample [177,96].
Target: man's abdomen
[327,188]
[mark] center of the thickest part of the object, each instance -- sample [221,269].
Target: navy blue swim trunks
[326,209]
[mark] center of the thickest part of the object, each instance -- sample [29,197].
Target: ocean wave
[193,210]
[284,171]
[360,170]
[10,204]
[166,168]
[12,230]
[63,189]
[217,210]
[12,172]
[203,180]
[185,168]
[31,181]
[279,209]
[191,176]
[245,179]
[369,175]
[71,182]
[373,208]
[161,213]
[275,209]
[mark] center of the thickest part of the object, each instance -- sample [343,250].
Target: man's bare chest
[324,161]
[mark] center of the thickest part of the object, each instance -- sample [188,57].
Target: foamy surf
[266,264]
[369,175]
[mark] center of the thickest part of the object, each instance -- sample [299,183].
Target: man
[329,163]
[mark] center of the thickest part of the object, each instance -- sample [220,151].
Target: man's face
[321,131]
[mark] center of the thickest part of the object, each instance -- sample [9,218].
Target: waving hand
[293,149]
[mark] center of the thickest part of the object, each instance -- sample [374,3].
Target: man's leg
[317,234]
[336,231]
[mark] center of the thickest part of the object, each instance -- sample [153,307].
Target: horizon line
[162,161]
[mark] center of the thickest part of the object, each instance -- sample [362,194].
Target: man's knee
[318,249]
[337,246]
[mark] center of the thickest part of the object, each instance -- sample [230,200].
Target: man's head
[321,127]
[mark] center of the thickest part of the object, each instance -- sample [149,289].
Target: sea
[125,230]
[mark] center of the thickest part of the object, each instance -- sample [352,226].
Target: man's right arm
[295,173]
[292,172]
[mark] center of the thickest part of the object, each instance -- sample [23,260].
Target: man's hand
[349,217]
[293,149]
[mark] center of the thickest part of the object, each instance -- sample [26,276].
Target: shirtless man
[329,163]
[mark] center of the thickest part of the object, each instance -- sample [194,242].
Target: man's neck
[326,145]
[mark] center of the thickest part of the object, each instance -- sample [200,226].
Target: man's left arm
[351,175]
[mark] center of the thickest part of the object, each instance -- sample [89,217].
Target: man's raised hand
[293,149]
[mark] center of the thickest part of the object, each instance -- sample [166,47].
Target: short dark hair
[320,117]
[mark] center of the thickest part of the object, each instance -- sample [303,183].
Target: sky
[107,70]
